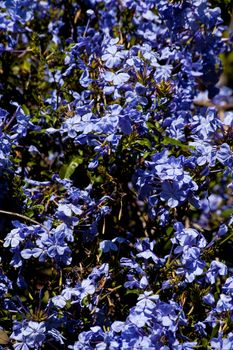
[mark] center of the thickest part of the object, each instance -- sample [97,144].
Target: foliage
[116,176]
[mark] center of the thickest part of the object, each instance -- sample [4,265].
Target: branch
[26,218]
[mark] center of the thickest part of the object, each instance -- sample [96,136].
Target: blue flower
[216,268]
[225,155]
[5,284]
[112,57]
[187,237]
[162,72]
[106,246]
[223,343]
[172,193]
[224,303]
[209,299]
[28,334]
[117,78]
[192,264]
[228,286]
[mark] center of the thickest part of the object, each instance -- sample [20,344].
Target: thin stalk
[26,218]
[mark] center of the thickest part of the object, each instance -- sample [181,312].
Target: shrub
[116,176]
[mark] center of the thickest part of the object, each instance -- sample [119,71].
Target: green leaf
[147,154]
[151,125]
[132,291]
[143,142]
[214,331]
[170,141]
[227,213]
[67,170]
[45,297]
[169,230]
[25,109]
[38,207]
[205,343]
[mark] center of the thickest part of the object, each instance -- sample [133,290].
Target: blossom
[112,57]
[116,78]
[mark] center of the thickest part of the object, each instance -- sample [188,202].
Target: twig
[10,121]
[26,218]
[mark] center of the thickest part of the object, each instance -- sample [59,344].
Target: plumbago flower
[115,176]
[12,136]
[160,320]
[82,290]
[34,241]
[5,285]
[113,53]
[167,180]
[32,334]
[44,242]
[28,335]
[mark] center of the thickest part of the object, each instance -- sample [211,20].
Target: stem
[110,290]
[26,218]
[9,122]
[226,239]
[87,27]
